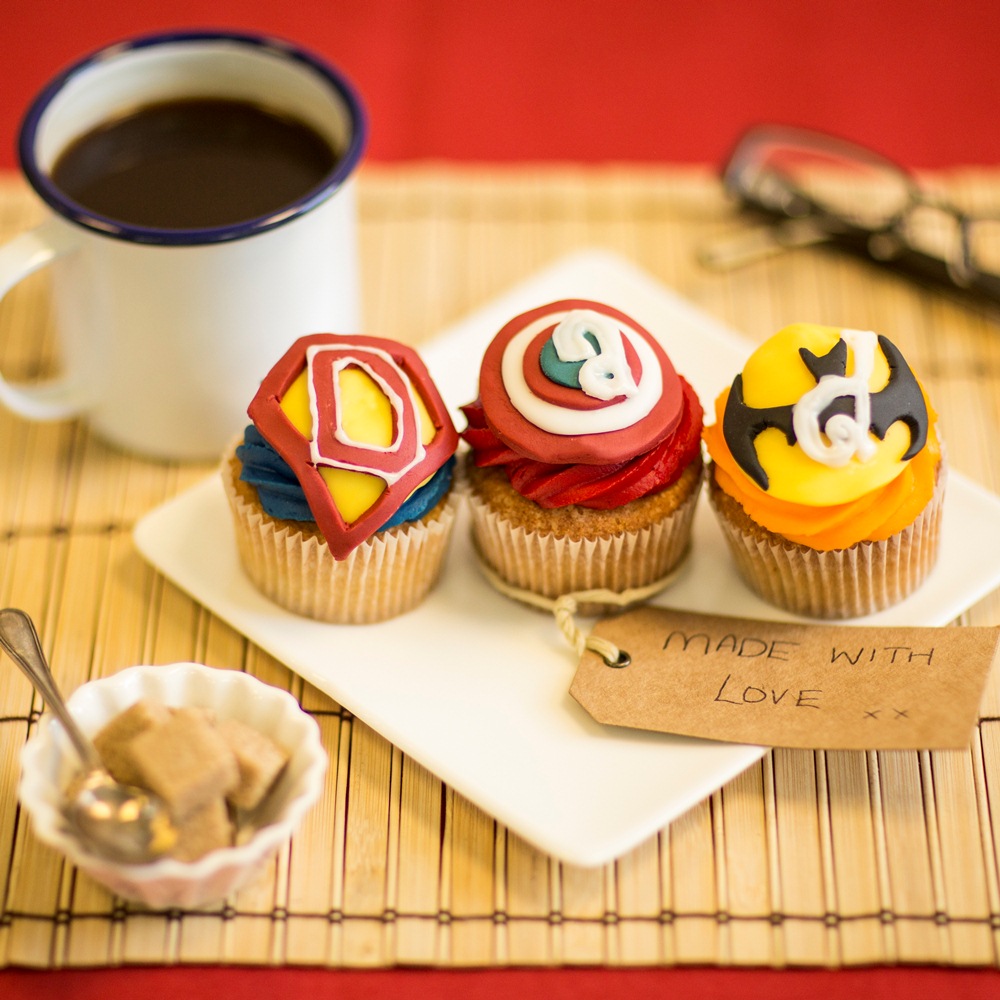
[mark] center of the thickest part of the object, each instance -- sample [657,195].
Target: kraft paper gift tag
[786,684]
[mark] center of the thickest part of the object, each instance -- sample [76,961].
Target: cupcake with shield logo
[341,489]
[585,460]
[827,472]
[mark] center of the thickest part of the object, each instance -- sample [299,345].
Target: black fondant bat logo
[901,399]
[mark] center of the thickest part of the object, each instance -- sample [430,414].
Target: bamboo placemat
[807,858]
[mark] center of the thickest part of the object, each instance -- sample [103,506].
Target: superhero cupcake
[341,490]
[827,473]
[585,456]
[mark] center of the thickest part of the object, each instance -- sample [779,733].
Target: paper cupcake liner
[384,577]
[553,566]
[840,583]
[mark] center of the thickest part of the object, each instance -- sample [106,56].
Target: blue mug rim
[73,211]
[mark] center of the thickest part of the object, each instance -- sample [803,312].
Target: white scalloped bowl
[48,762]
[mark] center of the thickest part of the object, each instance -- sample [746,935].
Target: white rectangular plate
[473,685]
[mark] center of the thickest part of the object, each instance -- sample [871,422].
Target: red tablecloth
[581,984]
[592,80]
[586,80]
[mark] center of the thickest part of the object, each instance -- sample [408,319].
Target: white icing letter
[847,436]
[605,375]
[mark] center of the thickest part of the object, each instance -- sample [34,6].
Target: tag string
[565,607]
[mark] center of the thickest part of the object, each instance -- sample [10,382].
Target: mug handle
[58,398]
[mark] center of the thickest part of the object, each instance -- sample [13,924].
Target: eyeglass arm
[889,251]
[882,247]
[737,249]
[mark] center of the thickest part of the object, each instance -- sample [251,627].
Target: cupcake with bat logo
[341,489]
[585,461]
[827,473]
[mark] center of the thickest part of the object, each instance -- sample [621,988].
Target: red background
[593,80]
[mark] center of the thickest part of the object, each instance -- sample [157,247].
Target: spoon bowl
[117,821]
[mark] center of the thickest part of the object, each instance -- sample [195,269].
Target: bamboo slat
[826,858]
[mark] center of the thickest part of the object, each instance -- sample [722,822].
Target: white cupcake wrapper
[840,583]
[387,575]
[551,566]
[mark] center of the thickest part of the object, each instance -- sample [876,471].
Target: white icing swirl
[845,436]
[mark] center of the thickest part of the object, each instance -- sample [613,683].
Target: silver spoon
[119,822]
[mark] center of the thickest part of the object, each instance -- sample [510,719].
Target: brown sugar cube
[259,758]
[185,761]
[205,829]
[113,740]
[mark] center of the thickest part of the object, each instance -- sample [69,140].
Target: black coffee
[193,164]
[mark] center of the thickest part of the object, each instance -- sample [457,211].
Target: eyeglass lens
[843,180]
[866,202]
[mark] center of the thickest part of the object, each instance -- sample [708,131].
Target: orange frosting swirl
[871,518]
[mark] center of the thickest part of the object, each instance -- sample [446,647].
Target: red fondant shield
[605,448]
[395,374]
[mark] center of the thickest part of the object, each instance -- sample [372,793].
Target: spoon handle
[19,638]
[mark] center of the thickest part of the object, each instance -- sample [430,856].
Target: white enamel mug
[164,335]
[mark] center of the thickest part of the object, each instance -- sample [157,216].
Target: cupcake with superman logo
[585,460]
[341,490]
[827,472]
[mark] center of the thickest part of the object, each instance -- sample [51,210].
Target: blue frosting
[282,497]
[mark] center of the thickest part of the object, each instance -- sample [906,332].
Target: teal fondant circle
[561,372]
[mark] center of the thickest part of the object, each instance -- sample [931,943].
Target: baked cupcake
[585,460]
[341,489]
[827,473]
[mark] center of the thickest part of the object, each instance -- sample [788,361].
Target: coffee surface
[193,164]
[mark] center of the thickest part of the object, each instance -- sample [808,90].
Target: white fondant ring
[544,430]
[560,420]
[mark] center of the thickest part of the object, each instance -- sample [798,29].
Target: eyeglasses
[816,188]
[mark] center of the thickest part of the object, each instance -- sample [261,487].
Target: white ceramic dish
[475,686]
[48,762]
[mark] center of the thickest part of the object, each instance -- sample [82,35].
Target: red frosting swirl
[601,487]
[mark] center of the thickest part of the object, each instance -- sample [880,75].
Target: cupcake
[827,474]
[341,488]
[585,457]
